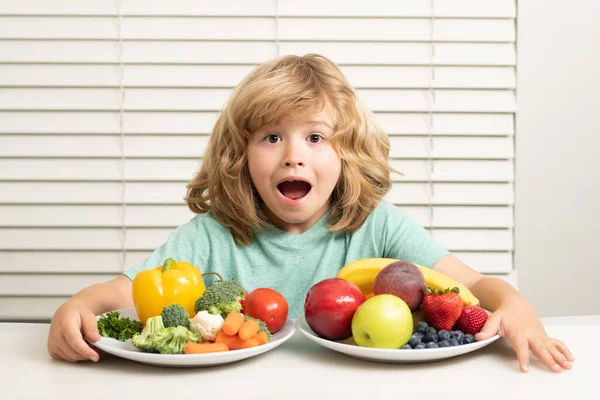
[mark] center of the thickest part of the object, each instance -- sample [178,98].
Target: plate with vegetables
[201,327]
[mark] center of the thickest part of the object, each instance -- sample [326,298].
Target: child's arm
[77,318]
[514,317]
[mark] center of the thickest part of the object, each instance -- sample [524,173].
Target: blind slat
[183,169]
[215,99]
[48,285]
[249,28]
[456,30]
[189,52]
[462,217]
[228,76]
[171,216]
[408,53]
[97,216]
[108,262]
[71,262]
[174,192]
[45,284]
[29,308]
[487,262]
[66,7]
[413,8]
[202,122]
[96,169]
[374,8]
[194,146]
[452,194]
[151,238]
[461,171]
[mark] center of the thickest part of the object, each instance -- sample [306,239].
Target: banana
[364,271]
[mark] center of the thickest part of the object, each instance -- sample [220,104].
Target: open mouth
[294,189]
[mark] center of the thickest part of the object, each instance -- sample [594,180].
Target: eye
[315,138]
[272,138]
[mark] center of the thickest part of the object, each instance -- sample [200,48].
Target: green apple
[383,321]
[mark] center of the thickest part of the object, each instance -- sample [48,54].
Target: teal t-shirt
[290,263]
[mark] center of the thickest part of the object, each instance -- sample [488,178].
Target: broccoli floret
[173,340]
[175,315]
[262,327]
[221,298]
[143,341]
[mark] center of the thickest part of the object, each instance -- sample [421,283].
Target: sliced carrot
[233,322]
[261,337]
[246,344]
[234,342]
[204,347]
[249,329]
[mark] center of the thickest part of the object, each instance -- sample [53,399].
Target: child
[290,190]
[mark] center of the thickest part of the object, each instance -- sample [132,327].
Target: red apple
[329,307]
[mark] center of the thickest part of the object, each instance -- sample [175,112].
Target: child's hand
[518,321]
[65,340]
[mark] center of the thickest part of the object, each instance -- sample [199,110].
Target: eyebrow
[317,122]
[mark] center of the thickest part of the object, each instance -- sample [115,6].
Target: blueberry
[420,335]
[420,346]
[458,335]
[444,343]
[444,335]
[468,339]
[422,327]
[431,329]
[407,347]
[453,342]
[414,340]
[431,337]
[431,345]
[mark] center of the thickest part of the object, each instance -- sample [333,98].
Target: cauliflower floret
[207,324]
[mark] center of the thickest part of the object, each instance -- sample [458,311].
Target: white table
[301,369]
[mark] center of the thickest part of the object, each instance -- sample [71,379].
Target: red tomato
[269,306]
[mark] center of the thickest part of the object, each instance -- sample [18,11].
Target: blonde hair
[284,86]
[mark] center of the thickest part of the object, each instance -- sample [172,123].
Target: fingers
[55,340]
[70,354]
[521,347]
[542,352]
[90,326]
[563,349]
[558,357]
[75,343]
[55,352]
[490,328]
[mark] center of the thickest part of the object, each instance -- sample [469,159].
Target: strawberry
[471,319]
[442,308]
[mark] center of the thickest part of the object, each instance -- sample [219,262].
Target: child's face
[295,168]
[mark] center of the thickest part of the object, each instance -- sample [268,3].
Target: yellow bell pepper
[174,282]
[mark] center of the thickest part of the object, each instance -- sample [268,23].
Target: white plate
[390,355]
[128,351]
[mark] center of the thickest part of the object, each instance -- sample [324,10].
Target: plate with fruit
[176,321]
[393,311]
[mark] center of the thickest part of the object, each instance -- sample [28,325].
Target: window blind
[106,108]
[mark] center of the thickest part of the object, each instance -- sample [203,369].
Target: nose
[293,156]
[292,162]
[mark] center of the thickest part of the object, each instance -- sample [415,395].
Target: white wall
[557,219]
